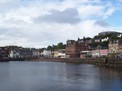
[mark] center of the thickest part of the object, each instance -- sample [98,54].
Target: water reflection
[51,76]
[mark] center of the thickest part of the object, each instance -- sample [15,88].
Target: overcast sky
[39,23]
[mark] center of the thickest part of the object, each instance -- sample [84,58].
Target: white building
[105,39]
[97,40]
[61,53]
[14,54]
[47,53]
[35,53]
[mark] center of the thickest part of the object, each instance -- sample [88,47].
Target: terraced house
[73,48]
[115,46]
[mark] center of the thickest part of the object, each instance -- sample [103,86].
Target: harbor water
[56,76]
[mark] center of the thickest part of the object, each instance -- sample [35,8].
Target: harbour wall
[110,62]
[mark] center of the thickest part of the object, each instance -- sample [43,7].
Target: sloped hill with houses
[98,46]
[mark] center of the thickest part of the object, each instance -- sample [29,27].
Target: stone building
[73,48]
[115,46]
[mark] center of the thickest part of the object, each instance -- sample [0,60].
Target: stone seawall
[114,62]
[71,60]
[110,62]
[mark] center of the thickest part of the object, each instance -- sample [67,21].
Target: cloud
[120,0]
[69,16]
[89,11]
[3,31]
[39,23]
[7,5]
[101,23]
[108,12]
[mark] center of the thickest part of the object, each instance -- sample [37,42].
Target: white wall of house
[55,54]
[100,53]
[95,53]
[105,39]
[11,54]
[35,53]
[97,40]
[62,55]
[14,54]
[47,53]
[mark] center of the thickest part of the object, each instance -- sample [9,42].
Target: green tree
[49,48]
[60,45]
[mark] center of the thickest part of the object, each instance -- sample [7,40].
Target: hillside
[103,37]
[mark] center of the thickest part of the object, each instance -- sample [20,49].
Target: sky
[39,23]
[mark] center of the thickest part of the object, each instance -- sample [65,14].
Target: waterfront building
[19,52]
[14,51]
[100,53]
[99,50]
[55,53]
[61,53]
[73,48]
[28,52]
[47,53]
[35,52]
[14,54]
[85,54]
[41,52]
[4,52]
[115,46]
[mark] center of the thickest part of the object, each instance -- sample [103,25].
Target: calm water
[51,76]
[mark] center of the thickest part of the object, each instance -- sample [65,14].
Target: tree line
[60,45]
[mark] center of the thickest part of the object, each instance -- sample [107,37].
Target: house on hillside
[115,46]
[97,40]
[104,39]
